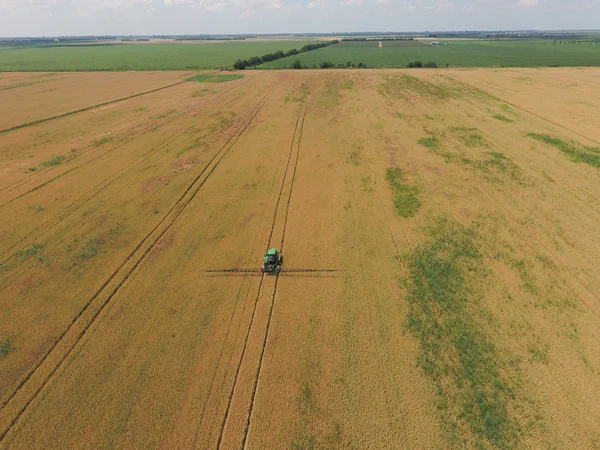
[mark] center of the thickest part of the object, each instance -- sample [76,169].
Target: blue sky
[82,17]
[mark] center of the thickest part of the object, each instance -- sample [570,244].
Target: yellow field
[457,209]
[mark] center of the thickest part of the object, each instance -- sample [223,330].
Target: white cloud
[352,2]
[179,2]
[528,3]
[318,4]
[80,17]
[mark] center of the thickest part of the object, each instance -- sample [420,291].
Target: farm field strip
[279,223]
[81,201]
[112,285]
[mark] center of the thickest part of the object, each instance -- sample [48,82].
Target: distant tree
[430,65]
[415,64]
[292,52]
[297,64]
[362,65]
[254,61]
[239,65]
[326,65]
[268,57]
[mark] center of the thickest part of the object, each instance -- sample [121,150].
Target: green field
[155,56]
[389,43]
[465,53]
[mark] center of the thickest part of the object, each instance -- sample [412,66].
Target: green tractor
[272,261]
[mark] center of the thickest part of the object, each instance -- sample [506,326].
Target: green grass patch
[102,140]
[502,118]
[497,168]
[405,197]
[55,161]
[201,93]
[6,347]
[458,355]
[469,136]
[90,248]
[522,268]
[401,86]
[431,142]
[538,354]
[37,208]
[354,158]
[165,114]
[36,251]
[582,154]
[497,155]
[116,229]
[211,78]
[366,183]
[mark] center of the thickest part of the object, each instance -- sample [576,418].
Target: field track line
[300,116]
[182,203]
[274,296]
[115,176]
[244,277]
[87,108]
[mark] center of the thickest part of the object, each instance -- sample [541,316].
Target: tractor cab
[272,261]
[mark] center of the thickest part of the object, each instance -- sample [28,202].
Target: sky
[147,17]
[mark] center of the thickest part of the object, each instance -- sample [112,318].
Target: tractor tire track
[297,130]
[176,210]
[274,296]
[229,328]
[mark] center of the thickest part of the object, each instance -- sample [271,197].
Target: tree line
[241,64]
[328,65]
